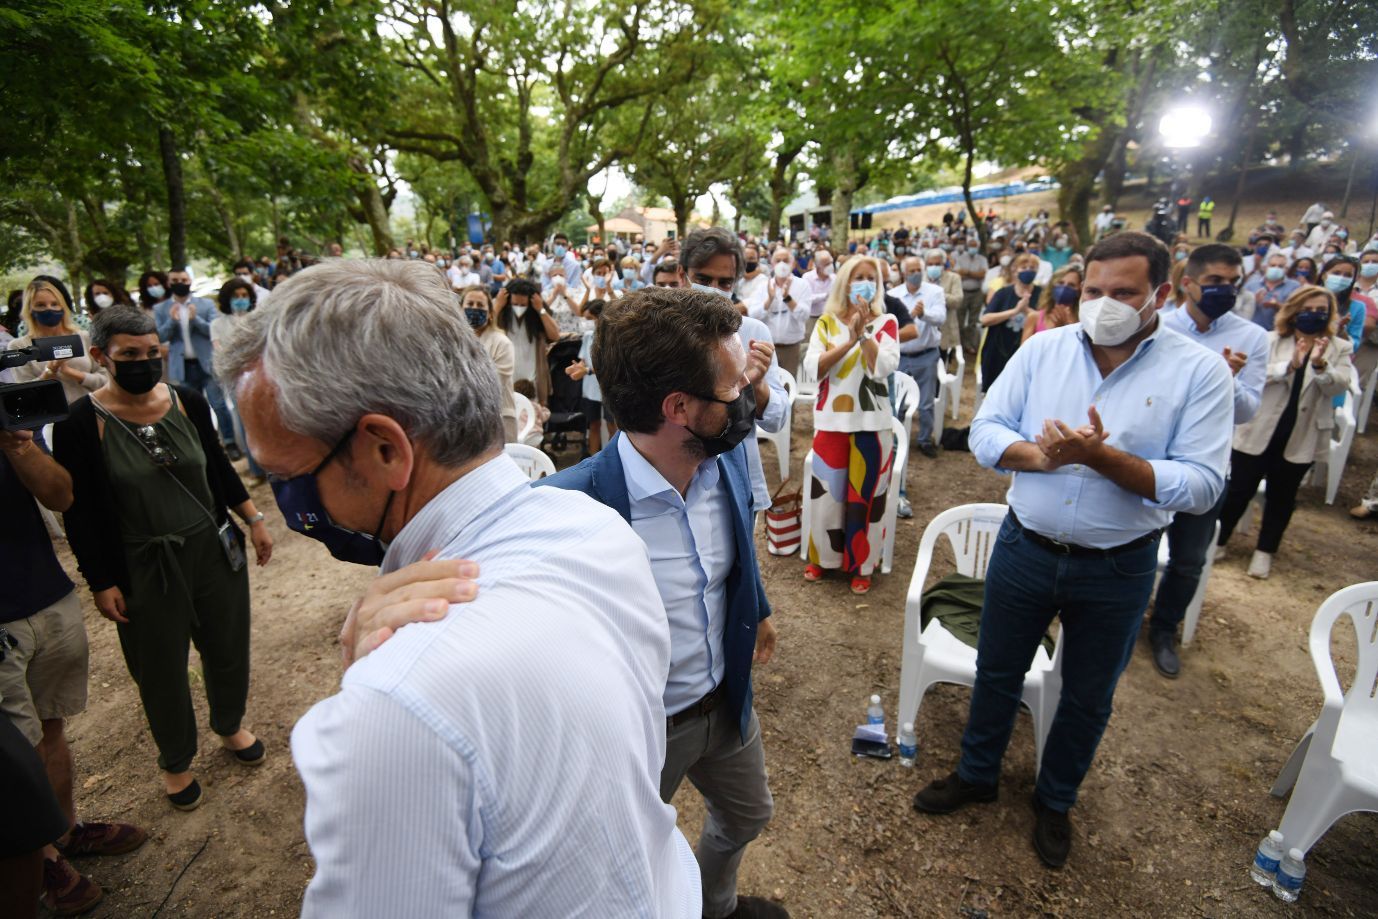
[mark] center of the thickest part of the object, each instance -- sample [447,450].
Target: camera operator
[43,673]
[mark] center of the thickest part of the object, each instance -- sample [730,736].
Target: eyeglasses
[158,451]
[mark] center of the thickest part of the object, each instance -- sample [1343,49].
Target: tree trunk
[176,198]
[1349,183]
[682,206]
[1228,232]
[781,186]
[596,210]
[375,215]
[226,220]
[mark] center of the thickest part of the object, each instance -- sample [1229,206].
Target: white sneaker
[1261,565]
[904,511]
[1220,552]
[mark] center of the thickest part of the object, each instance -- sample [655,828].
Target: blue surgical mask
[863,290]
[300,502]
[914,279]
[1274,273]
[1026,276]
[934,272]
[240,304]
[560,251]
[1338,283]
[1369,269]
[155,291]
[709,289]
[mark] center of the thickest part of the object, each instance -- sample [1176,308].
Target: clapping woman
[853,351]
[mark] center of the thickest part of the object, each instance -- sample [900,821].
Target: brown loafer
[66,891]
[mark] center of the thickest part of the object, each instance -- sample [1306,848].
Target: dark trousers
[1100,600]
[183,591]
[1203,226]
[200,379]
[1189,538]
[1280,500]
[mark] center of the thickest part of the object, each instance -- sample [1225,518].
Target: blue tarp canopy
[955,197]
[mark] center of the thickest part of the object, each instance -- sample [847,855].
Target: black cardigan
[92,523]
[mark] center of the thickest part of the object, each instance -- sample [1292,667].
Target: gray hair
[702,245]
[121,319]
[932,253]
[348,337]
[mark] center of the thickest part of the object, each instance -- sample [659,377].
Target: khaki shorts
[45,677]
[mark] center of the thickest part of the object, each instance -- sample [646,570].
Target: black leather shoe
[929,450]
[943,796]
[1164,645]
[757,908]
[1052,837]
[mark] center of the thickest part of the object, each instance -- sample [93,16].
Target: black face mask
[752,266]
[180,290]
[138,377]
[741,418]
[477,316]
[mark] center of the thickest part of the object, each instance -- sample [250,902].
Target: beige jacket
[1315,407]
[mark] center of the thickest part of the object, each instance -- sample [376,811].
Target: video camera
[29,406]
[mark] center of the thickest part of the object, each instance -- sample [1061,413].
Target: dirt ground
[1168,817]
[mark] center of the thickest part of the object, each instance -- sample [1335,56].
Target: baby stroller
[567,424]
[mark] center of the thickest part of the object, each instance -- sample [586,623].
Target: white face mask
[519,311]
[782,270]
[708,289]
[104,301]
[1110,322]
[824,268]
[1004,260]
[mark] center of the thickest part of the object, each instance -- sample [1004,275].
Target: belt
[1068,548]
[697,709]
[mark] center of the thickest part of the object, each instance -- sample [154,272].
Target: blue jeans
[1189,538]
[923,367]
[200,379]
[1100,600]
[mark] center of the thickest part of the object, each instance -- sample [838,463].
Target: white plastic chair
[907,397]
[526,416]
[806,385]
[781,437]
[1366,401]
[980,394]
[947,393]
[954,400]
[890,515]
[533,462]
[935,655]
[1341,440]
[1198,598]
[1334,768]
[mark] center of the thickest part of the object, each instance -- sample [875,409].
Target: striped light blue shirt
[1171,403]
[771,420]
[506,760]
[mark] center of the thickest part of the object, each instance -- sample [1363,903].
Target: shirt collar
[447,514]
[644,481]
[1185,322]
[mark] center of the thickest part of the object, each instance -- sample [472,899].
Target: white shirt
[1103,220]
[185,320]
[506,760]
[1045,273]
[752,291]
[934,314]
[819,288]
[786,320]
[692,547]
[460,279]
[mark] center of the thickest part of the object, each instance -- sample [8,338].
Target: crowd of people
[1215,368]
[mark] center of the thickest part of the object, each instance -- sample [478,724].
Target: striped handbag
[784,521]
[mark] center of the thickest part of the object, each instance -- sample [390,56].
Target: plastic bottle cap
[1296,854]
[1275,836]
[909,726]
[875,700]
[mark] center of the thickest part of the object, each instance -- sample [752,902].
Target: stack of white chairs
[532,461]
[781,438]
[1334,769]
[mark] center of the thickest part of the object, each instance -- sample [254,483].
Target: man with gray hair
[534,718]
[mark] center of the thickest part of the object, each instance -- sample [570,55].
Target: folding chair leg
[1292,768]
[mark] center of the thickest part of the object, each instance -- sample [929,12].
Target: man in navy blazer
[184,322]
[676,378]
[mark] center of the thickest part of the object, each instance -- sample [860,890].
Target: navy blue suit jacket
[601,478]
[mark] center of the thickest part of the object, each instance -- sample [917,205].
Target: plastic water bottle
[909,745]
[1291,872]
[1270,852]
[875,714]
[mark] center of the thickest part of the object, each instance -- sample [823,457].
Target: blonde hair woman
[47,311]
[854,349]
[1308,365]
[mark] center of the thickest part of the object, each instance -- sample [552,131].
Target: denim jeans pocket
[1136,564]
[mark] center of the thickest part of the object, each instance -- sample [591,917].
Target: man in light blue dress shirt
[1210,281]
[1087,506]
[675,376]
[503,757]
